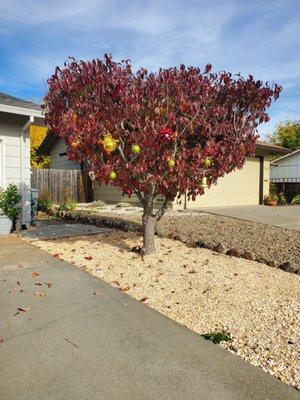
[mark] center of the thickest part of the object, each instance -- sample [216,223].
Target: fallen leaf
[55,255]
[192,271]
[96,293]
[125,288]
[143,299]
[49,284]
[2,280]
[35,274]
[24,309]
[38,293]
[88,257]
[115,283]
[38,284]
[206,290]
[1,339]
[70,341]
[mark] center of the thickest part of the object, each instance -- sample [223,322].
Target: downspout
[23,130]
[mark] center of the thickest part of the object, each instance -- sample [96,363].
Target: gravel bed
[257,305]
[268,243]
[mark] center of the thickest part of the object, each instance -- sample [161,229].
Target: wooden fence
[63,183]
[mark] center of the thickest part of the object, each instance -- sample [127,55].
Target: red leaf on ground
[88,257]
[56,255]
[1,339]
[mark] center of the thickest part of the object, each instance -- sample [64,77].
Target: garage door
[240,187]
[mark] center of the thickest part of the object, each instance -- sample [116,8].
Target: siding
[61,162]
[15,172]
[287,169]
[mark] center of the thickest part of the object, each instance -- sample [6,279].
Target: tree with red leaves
[163,134]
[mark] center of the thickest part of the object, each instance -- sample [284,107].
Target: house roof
[285,156]
[14,105]
[50,139]
[271,148]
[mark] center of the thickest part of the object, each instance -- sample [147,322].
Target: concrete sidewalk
[74,345]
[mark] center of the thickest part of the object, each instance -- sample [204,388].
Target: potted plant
[9,208]
[271,200]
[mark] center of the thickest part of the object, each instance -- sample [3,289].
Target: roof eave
[21,111]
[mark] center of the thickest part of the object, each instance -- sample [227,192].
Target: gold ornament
[109,143]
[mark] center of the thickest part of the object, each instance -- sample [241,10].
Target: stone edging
[127,226]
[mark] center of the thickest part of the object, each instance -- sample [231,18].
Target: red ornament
[166,134]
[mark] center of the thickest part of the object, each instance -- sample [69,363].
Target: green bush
[281,199]
[68,205]
[44,201]
[296,199]
[217,337]
[9,202]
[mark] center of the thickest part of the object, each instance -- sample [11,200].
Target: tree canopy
[287,134]
[37,135]
[156,134]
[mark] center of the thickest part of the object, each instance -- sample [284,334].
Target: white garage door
[240,187]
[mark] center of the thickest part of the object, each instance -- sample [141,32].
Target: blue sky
[258,37]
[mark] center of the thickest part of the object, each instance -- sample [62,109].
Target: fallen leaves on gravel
[125,288]
[143,299]
[24,309]
[88,258]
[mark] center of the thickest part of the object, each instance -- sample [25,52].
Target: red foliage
[180,113]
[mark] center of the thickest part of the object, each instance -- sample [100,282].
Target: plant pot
[5,225]
[271,203]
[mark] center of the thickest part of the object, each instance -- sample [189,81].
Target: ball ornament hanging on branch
[109,143]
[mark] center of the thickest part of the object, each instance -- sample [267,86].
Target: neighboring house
[285,174]
[241,187]
[16,116]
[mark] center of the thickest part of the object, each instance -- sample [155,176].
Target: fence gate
[63,183]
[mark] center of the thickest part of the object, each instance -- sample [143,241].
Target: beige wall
[61,162]
[240,187]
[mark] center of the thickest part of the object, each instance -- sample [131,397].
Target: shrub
[217,337]
[296,199]
[44,201]
[9,202]
[281,199]
[68,205]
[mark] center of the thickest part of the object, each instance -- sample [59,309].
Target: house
[16,116]
[285,174]
[241,187]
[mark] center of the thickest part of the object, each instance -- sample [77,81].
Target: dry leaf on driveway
[38,293]
[49,284]
[143,299]
[24,309]
[1,339]
[35,274]
[96,293]
[2,280]
[88,258]
[125,288]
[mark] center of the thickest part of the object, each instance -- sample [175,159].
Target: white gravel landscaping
[257,305]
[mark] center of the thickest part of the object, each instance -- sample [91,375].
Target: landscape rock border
[127,226]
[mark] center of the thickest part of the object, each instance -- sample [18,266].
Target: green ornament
[112,175]
[135,148]
[171,163]
[207,162]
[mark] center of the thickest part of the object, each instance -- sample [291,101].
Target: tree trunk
[148,233]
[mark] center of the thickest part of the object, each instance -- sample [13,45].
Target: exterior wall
[240,187]
[61,162]
[16,158]
[287,169]
[266,176]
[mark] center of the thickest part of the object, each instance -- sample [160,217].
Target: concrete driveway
[282,216]
[61,341]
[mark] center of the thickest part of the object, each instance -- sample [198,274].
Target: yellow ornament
[109,143]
